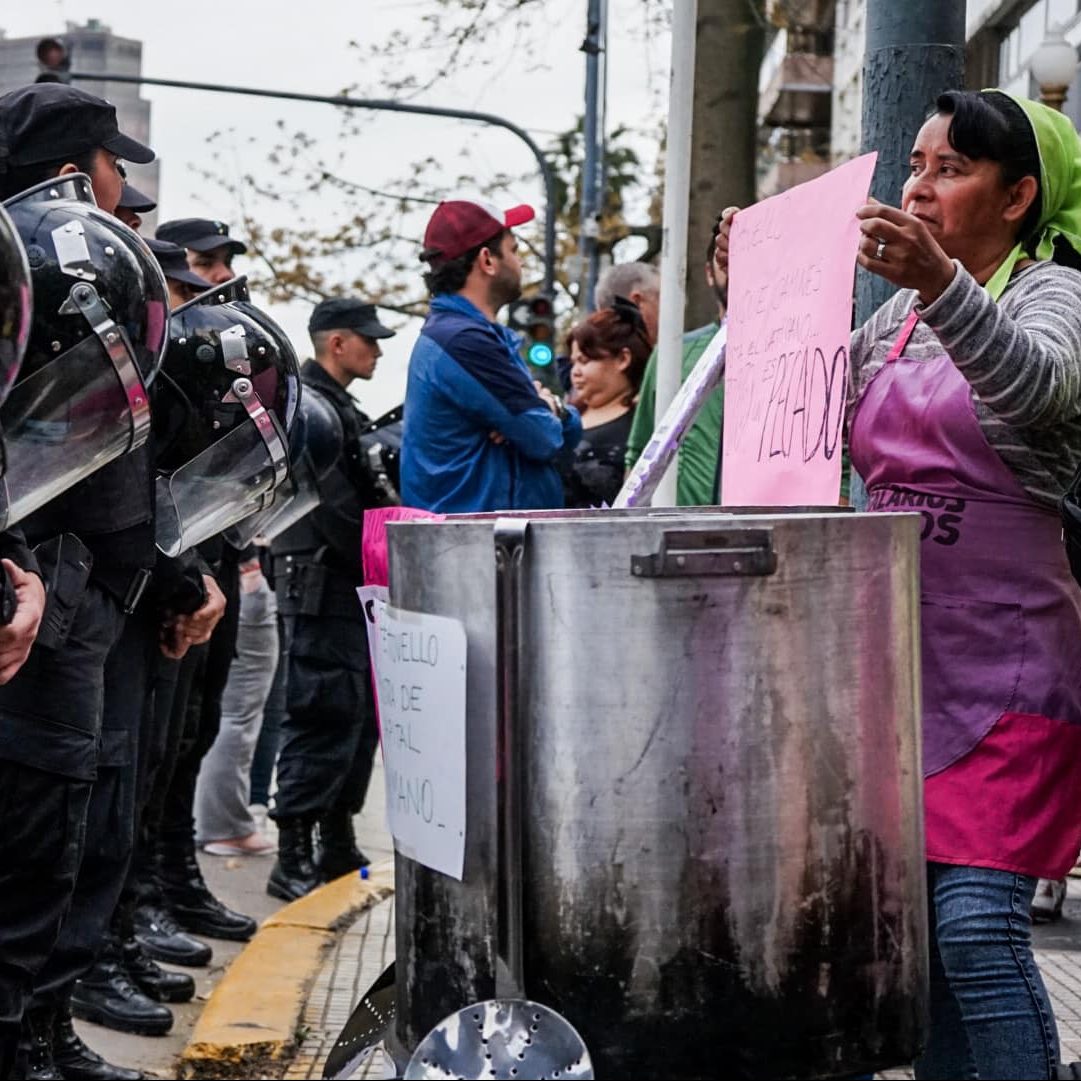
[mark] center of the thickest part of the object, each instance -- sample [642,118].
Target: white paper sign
[418,661]
[373,599]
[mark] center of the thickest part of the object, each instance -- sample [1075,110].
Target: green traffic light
[540,354]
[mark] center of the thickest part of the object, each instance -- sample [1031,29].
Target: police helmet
[381,452]
[315,447]
[225,400]
[95,344]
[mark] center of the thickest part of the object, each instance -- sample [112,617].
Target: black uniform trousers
[198,699]
[159,746]
[329,732]
[185,717]
[110,822]
[50,721]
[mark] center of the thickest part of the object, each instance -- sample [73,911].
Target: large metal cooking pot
[694,811]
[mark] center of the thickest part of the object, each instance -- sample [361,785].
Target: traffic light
[535,318]
[54,62]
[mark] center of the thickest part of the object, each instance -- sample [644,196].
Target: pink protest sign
[792,259]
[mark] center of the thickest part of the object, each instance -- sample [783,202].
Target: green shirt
[696,473]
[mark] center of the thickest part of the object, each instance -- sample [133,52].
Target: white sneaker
[255,844]
[259,813]
[1047,904]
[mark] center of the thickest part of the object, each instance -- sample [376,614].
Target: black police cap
[131,198]
[174,264]
[199,234]
[47,122]
[345,313]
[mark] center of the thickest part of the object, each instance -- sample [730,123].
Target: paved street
[368,948]
[241,884]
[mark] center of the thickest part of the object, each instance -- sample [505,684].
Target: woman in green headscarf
[965,406]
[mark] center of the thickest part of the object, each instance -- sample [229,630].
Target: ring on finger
[880,251]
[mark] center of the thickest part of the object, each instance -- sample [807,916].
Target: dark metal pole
[915,51]
[385,106]
[591,160]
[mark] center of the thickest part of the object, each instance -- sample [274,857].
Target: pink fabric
[374,543]
[1036,830]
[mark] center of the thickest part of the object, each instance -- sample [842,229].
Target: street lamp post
[1053,66]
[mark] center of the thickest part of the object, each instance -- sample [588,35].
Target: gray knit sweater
[1021,356]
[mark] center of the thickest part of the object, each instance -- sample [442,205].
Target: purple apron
[1000,623]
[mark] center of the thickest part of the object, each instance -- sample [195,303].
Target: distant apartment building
[92,47]
[795,93]
[1002,36]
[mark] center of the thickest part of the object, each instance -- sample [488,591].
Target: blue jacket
[466,380]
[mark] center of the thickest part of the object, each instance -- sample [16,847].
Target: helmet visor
[297,497]
[64,422]
[227,482]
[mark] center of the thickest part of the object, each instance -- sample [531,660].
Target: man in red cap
[479,434]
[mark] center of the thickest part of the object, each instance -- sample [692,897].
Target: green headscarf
[1059,147]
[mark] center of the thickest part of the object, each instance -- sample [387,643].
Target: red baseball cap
[460,224]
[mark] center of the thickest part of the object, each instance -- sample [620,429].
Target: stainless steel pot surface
[703,844]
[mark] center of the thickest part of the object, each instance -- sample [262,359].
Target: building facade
[93,47]
[1002,36]
[794,93]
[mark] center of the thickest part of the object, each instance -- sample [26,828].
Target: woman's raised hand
[900,248]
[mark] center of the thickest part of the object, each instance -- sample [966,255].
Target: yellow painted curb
[251,1018]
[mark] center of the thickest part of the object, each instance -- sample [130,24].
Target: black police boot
[106,996]
[76,1061]
[153,980]
[35,1058]
[160,935]
[338,852]
[191,902]
[293,875]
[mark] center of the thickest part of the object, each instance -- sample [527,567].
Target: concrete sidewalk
[368,947]
[239,882]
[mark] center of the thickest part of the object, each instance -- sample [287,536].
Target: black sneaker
[77,1062]
[153,980]
[160,935]
[106,996]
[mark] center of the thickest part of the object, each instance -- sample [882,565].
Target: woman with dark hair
[608,353]
[965,404]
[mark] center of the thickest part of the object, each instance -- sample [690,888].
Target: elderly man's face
[649,304]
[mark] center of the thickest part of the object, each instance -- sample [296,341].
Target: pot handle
[709,553]
[510,553]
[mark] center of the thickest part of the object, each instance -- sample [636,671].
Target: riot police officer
[329,731]
[99,332]
[18,631]
[230,392]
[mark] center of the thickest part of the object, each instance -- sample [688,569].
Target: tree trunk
[730,44]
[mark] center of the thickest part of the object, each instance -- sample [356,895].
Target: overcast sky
[305,47]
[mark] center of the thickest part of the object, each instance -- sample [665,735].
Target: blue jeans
[990,1014]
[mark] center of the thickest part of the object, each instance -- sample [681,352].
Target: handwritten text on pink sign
[791,263]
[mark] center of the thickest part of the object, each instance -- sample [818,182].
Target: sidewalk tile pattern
[368,947]
[359,959]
